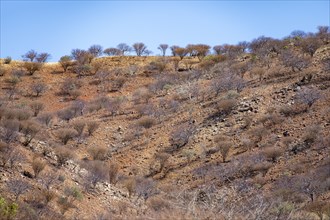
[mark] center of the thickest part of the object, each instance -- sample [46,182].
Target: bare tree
[97,172]
[308,96]
[30,55]
[310,45]
[139,48]
[38,88]
[95,50]
[173,50]
[42,57]
[112,51]
[30,130]
[37,107]
[218,49]
[163,48]
[18,187]
[82,56]
[294,61]
[124,48]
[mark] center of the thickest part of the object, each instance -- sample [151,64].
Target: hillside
[223,137]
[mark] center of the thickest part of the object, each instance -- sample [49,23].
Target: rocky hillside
[225,137]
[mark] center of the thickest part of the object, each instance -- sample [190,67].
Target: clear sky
[57,27]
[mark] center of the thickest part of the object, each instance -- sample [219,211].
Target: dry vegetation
[239,134]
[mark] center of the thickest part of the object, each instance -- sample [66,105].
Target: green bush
[8,210]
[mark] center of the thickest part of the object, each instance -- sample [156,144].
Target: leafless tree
[42,57]
[82,56]
[298,34]
[139,48]
[244,45]
[145,188]
[97,172]
[18,187]
[124,48]
[309,45]
[173,50]
[36,107]
[294,61]
[323,33]
[112,51]
[38,88]
[30,129]
[95,50]
[163,48]
[218,49]
[30,55]
[308,96]
[10,130]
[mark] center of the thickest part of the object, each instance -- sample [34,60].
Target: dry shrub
[311,133]
[10,129]
[66,114]
[66,134]
[113,172]
[225,106]
[45,118]
[22,114]
[69,86]
[117,83]
[130,185]
[258,133]
[141,95]
[320,208]
[271,119]
[37,165]
[272,153]
[92,126]
[179,137]
[97,172]
[63,154]
[36,107]
[48,195]
[38,88]
[292,110]
[10,155]
[146,122]
[257,71]
[30,130]
[247,144]
[98,153]
[287,141]
[158,204]
[262,167]
[79,126]
[224,146]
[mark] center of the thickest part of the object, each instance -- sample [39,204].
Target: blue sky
[57,27]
